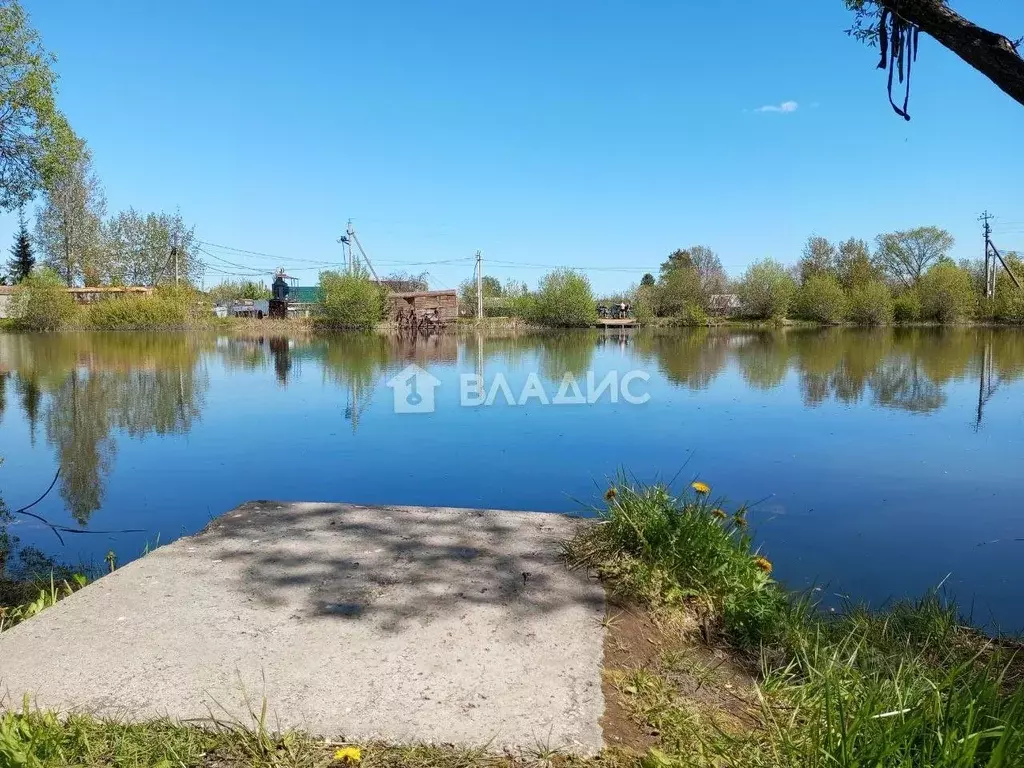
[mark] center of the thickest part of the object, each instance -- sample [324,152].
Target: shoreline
[703,653]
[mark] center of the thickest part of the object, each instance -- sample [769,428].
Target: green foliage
[69,230]
[228,291]
[905,686]
[767,290]
[643,303]
[661,549]
[493,289]
[36,142]
[168,307]
[854,266]
[350,300]
[46,597]
[42,303]
[871,303]
[647,280]
[136,250]
[907,306]
[821,298]
[1009,300]
[819,258]
[22,259]
[564,299]
[906,255]
[947,293]
[677,291]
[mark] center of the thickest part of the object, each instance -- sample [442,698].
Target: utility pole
[174,255]
[992,255]
[990,262]
[479,286]
[349,236]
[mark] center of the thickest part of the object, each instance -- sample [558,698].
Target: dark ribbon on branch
[898,40]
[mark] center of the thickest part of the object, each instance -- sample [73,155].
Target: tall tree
[904,256]
[22,260]
[68,225]
[137,249]
[818,258]
[36,142]
[894,26]
[704,261]
[647,280]
[854,266]
[492,286]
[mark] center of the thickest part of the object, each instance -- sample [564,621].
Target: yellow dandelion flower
[719,513]
[763,563]
[610,494]
[702,488]
[348,755]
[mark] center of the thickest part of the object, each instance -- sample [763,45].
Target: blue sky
[592,134]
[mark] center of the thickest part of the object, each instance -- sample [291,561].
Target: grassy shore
[708,663]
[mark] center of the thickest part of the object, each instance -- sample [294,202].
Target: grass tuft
[909,685]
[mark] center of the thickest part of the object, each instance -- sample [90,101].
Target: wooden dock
[607,322]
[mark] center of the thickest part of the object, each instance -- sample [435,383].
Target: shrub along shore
[908,685]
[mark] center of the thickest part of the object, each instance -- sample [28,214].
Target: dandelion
[348,755]
[763,563]
[610,494]
[702,488]
[719,513]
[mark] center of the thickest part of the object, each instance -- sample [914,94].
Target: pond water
[884,462]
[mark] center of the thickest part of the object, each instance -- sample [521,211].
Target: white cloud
[786,106]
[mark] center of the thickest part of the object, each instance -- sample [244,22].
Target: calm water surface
[886,460]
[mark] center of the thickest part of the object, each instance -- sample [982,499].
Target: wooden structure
[423,310]
[98,293]
[88,295]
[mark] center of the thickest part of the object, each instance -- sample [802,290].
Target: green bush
[42,303]
[767,290]
[947,293]
[243,289]
[350,300]
[906,307]
[821,299]
[677,291]
[871,304]
[643,304]
[692,314]
[564,299]
[166,308]
[1009,302]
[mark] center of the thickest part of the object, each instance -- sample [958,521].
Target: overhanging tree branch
[991,53]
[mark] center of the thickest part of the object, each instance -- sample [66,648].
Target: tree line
[907,276]
[42,159]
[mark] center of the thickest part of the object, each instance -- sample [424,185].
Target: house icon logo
[413,390]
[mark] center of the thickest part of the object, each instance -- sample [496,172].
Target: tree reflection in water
[85,392]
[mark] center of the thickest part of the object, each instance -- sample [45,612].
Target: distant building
[725,304]
[303,300]
[81,295]
[445,303]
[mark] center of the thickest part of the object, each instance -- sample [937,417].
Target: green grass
[31,739]
[37,598]
[662,550]
[909,685]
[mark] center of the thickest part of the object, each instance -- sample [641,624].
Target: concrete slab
[406,624]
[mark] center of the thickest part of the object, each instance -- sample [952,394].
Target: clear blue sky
[592,134]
